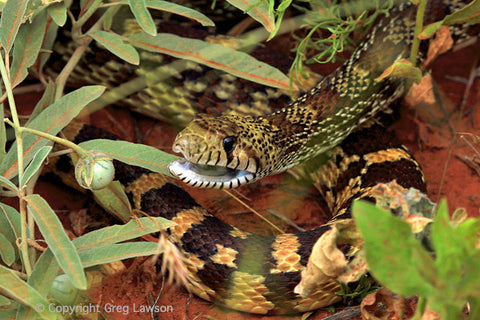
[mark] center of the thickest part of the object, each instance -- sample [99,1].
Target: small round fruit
[95,171]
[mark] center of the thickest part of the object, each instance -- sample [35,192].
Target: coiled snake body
[255,273]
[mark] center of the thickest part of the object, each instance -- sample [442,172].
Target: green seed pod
[95,171]
[63,291]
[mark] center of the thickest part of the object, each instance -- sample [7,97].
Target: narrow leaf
[143,17]
[113,199]
[258,10]
[390,249]
[47,99]
[58,12]
[468,14]
[10,222]
[181,10]
[35,165]
[133,154]
[51,120]
[8,184]
[114,43]
[7,252]
[116,252]
[57,240]
[213,55]
[404,69]
[430,30]
[27,47]
[10,21]
[15,287]
[5,302]
[178,9]
[47,46]
[118,233]
[3,134]
[44,272]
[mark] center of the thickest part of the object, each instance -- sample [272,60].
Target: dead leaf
[379,305]
[418,223]
[327,262]
[440,44]
[421,93]
[430,315]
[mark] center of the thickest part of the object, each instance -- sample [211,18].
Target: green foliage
[446,280]
[331,25]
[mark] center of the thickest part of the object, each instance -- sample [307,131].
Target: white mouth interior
[206,176]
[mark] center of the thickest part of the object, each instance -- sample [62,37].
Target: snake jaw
[208,176]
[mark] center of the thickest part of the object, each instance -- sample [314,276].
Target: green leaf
[213,55]
[113,199]
[181,10]
[51,120]
[10,222]
[15,287]
[143,17]
[48,42]
[47,99]
[57,240]
[392,251]
[58,12]
[3,134]
[468,232]
[133,154]
[8,314]
[8,184]
[116,252]
[27,46]
[7,252]
[114,43]
[404,69]
[258,10]
[44,272]
[10,21]
[34,8]
[178,9]
[443,237]
[468,14]
[35,164]
[118,233]
[430,30]
[5,301]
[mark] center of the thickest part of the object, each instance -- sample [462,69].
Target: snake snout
[191,147]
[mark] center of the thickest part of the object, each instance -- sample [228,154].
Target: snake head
[218,152]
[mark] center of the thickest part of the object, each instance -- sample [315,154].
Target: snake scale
[256,273]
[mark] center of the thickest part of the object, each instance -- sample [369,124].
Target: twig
[254,211]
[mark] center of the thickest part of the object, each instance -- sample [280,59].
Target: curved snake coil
[255,273]
[259,274]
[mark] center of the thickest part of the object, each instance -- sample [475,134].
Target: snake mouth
[208,176]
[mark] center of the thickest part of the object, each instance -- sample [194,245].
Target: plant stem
[79,150]
[77,25]
[19,139]
[418,28]
[420,308]
[61,79]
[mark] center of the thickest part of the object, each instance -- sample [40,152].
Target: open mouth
[207,176]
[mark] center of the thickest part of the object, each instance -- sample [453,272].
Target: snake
[257,273]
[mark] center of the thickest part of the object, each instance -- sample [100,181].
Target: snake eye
[228,143]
